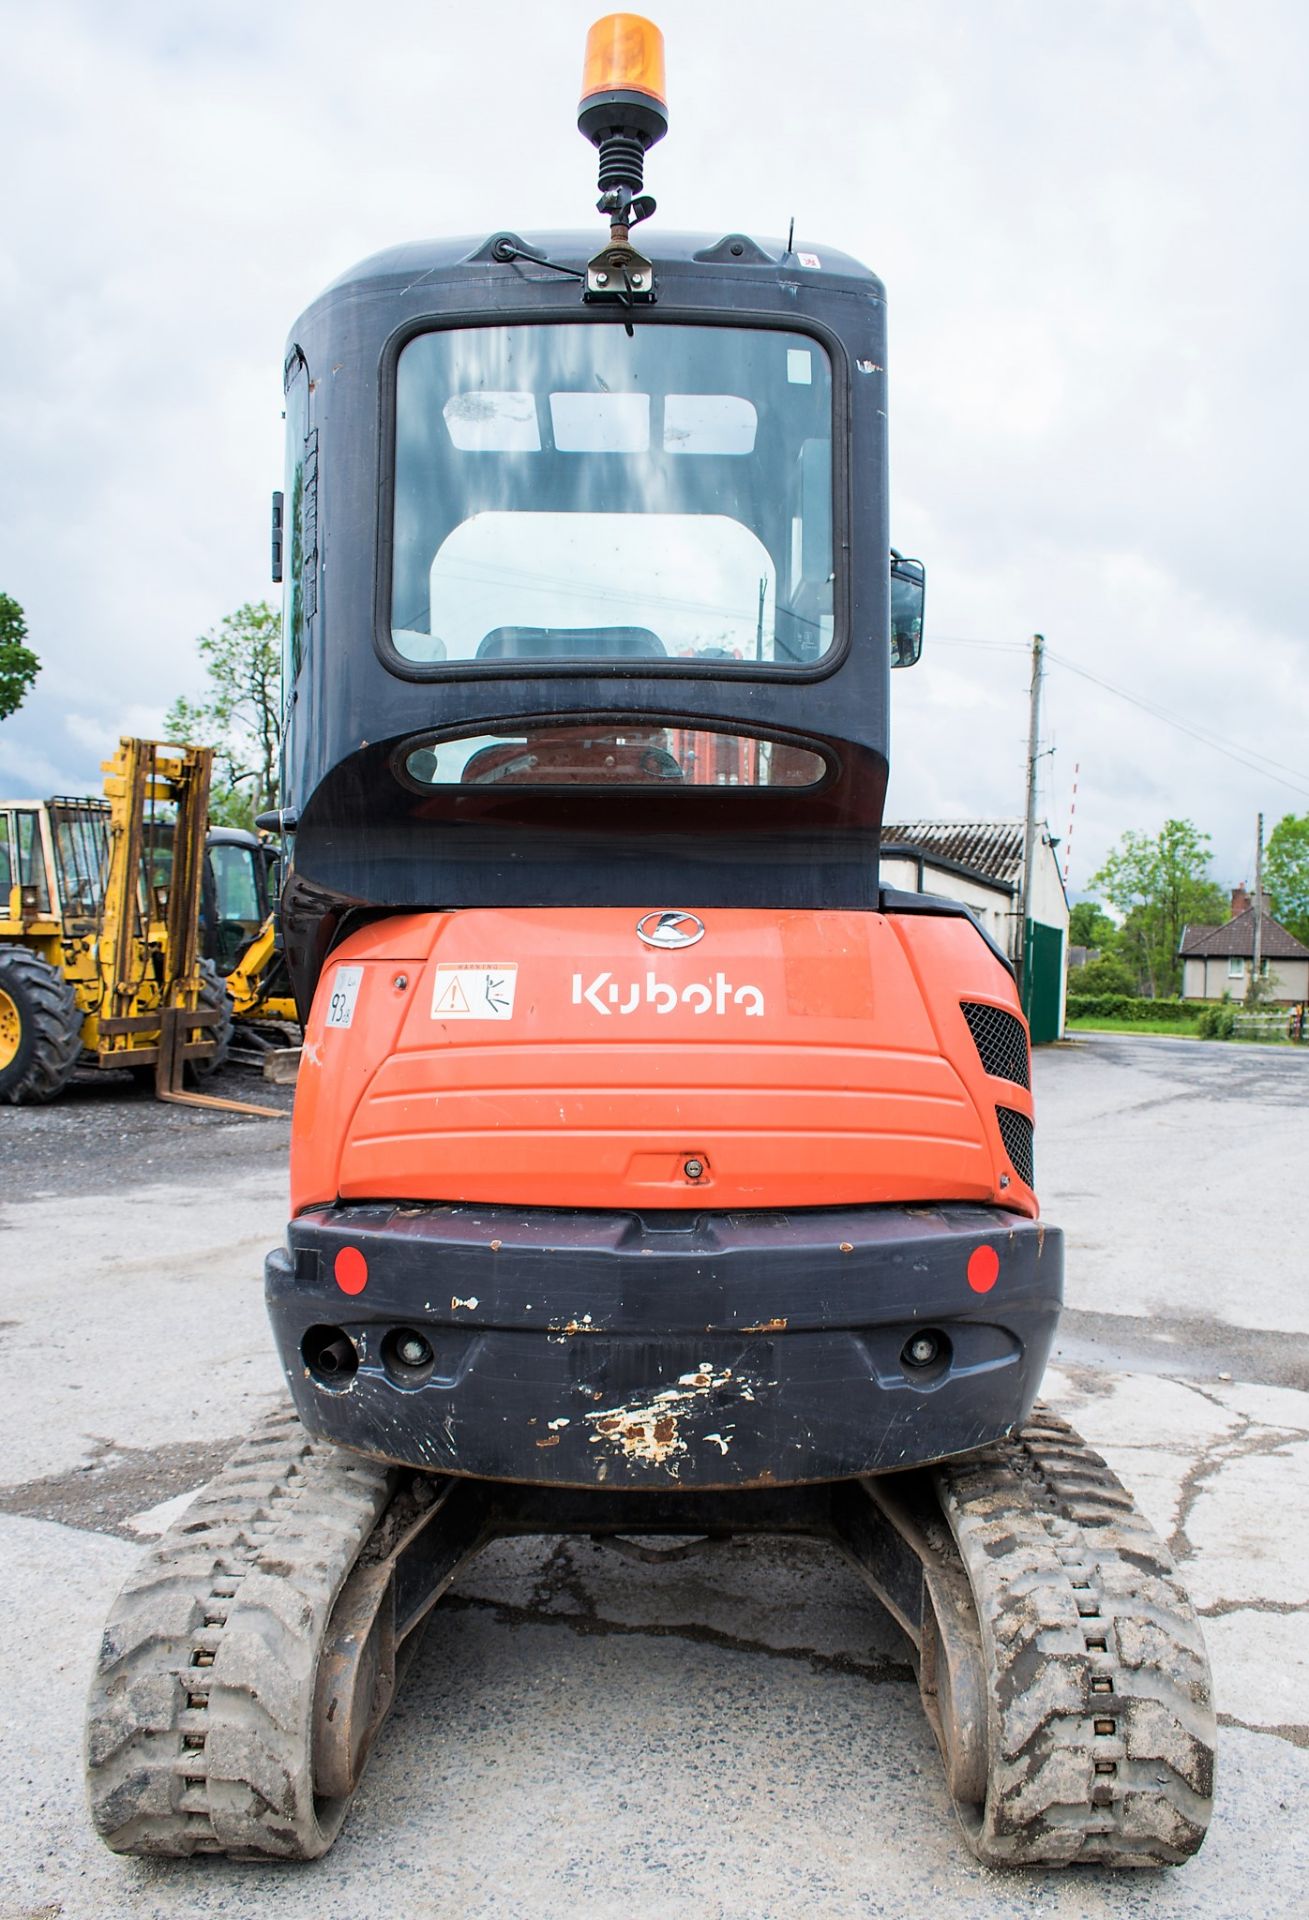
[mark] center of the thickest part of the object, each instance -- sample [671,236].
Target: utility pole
[1258,908]
[1029,831]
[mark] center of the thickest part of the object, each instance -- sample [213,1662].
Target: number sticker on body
[345,991]
[474,991]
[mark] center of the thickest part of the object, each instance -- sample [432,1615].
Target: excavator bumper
[696,1349]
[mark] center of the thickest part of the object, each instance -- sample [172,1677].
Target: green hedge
[1217,1023]
[1128,1006]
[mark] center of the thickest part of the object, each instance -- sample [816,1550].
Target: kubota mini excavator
[654,1169]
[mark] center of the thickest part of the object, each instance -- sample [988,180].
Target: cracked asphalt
[733,1732]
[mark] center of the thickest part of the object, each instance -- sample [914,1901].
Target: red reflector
[351,1270]
[983,1269]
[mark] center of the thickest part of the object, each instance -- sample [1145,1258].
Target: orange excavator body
[572,1205]
[788,1060]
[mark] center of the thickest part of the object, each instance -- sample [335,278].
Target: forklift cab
[53,859]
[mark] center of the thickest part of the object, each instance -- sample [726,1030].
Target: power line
[1248,757]
[990,646]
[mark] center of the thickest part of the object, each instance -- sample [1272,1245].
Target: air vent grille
[1016,1132]
[1000,1040]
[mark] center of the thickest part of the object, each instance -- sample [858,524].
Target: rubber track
[1102,1730]
[199,1721]
[57,1024]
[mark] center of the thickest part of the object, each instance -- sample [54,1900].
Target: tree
[241,718]
[19,666]
[1286,873]
[1108,975]
[1160,884]
[1090,926]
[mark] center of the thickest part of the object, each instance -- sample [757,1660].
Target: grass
[1176,1029]
[1180,1029]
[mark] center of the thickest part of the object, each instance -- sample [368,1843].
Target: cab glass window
[299,578]
[31,860]
[564,492]
[81,837]
[237,883]
[604,753]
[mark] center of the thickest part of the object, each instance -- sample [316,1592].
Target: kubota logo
[670,928]
[606,996]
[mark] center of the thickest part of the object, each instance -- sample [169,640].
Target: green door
[1043,981]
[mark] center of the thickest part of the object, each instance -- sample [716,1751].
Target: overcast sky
[1091,219]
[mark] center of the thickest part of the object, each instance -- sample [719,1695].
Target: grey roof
[1236,936]
[991,847]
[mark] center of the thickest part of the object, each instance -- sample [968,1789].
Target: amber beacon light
[623,109]
[624,53]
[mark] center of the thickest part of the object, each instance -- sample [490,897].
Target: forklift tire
[213,993]
[40,1029]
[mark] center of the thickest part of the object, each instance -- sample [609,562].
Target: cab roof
[735,252]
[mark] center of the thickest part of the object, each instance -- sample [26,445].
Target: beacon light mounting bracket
[622,113]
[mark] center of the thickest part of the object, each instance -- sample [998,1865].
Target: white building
[980,864]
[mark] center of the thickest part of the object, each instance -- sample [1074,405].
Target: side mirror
[908,591]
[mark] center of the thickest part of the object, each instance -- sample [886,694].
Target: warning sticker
[809,260]
[474,991]
[345,991]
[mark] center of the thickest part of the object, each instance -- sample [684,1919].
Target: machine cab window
[31,862]
[567,492]
[618,754]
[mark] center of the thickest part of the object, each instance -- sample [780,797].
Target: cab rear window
[566,493]
[611,755]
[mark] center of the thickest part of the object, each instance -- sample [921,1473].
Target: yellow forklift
[99,930]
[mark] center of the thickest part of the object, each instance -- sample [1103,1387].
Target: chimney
[1240,901]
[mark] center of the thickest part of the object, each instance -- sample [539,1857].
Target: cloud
[1087,218]
[24,771]
[94,735]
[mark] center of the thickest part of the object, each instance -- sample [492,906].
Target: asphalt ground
[735,1734]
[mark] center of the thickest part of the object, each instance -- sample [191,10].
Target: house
[980,863]
[1219,960]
